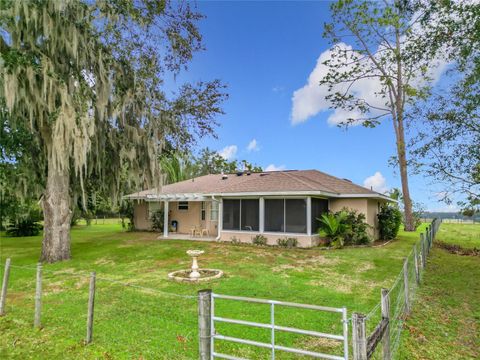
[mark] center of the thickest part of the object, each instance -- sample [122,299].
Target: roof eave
[205,196]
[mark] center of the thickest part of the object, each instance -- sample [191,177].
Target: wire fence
[376,335]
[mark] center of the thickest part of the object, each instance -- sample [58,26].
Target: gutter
[199,197]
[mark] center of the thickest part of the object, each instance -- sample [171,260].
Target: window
[319,207]
[274,215]
[241,214]
[249,215]
[203,210]
[183,205]
[214,211]
[286,215]
[231,214]
[296,215]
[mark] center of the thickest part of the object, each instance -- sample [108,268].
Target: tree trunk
[400,132]
[402,163]
[57,216]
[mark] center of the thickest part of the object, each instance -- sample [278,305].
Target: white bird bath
[195,274]
[194,254]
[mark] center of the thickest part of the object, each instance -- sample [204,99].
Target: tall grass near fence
[376,335]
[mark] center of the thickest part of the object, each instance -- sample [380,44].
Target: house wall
[192,217]
[369,207]
[141,218]
[357,204]
[372,220]
[186,218]
[304,240]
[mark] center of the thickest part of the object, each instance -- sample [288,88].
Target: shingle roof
[265,182]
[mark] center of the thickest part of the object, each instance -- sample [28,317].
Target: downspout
[218,219]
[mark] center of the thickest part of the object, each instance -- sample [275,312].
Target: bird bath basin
[195,274]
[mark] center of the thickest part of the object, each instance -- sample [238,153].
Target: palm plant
[177,167]
[333,227]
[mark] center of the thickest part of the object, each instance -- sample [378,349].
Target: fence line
[388,329]
[84,274]
[394,305]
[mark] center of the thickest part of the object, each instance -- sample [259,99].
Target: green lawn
[131,323]
[465,235]
[445,321]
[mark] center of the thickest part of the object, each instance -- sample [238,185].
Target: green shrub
[234,240]
[345,227]
[389,221]
[259,240]
[27,225]
[157,220]
[288,242]
[356,228]
[333,228]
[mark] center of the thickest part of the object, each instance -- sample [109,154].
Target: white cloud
[253,145]
[278,88]
[273,167]
[376,182]
[309,100]
[228,152]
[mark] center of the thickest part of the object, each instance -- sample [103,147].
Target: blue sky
[264,52]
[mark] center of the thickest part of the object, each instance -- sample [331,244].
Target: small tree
[382,49]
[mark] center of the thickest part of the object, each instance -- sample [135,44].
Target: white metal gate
[274,327]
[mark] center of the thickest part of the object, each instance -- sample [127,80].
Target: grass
[134,323]
[465,235]
[445,321]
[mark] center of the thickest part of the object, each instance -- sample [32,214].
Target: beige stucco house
[276,204]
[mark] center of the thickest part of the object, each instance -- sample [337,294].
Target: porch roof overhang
[177,197]
[213,196]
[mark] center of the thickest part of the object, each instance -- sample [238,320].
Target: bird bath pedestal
[194,254]
[195,274]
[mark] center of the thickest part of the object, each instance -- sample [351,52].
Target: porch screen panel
[296,215]
[319,207]
[250,214]
[274,215]
[231,214]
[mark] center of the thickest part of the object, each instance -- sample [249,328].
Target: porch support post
[261,211]
[220,217]
[309,215]
[165,218]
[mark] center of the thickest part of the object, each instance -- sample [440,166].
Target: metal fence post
[3,295]
[424,256]
[385,305]
[417,271]
[91,304]
[205,323]
[37,322]
[405,284]
[345,333]
[359,337]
